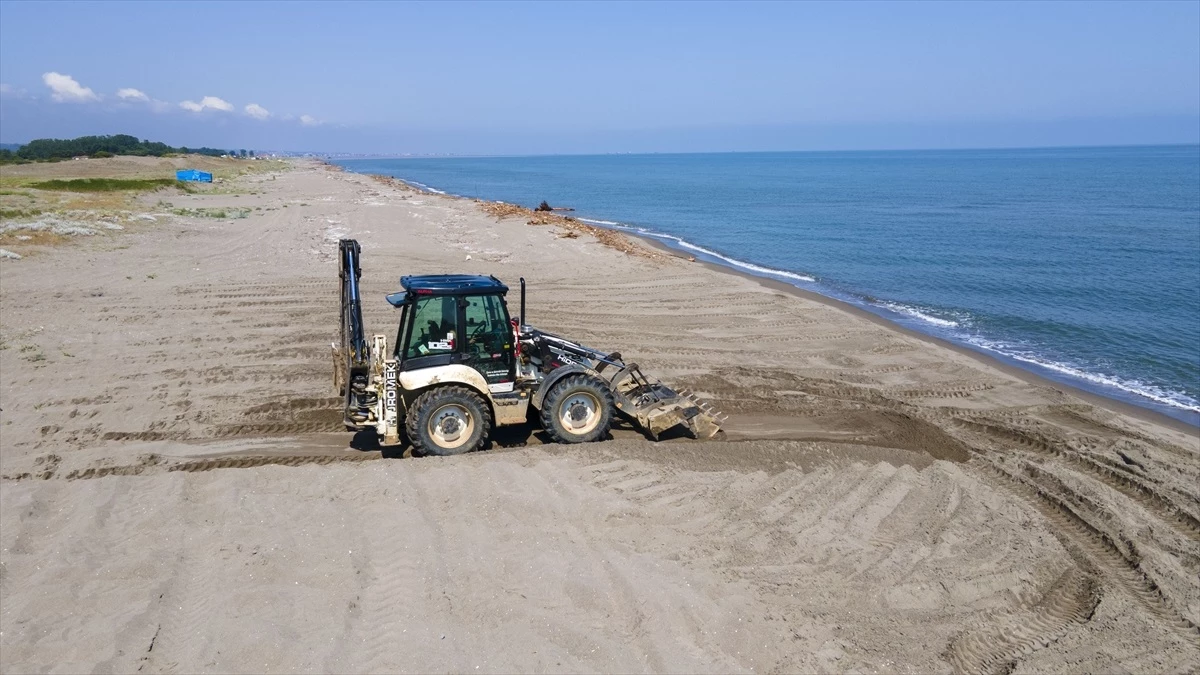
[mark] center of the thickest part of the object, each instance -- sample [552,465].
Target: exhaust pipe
[521,318]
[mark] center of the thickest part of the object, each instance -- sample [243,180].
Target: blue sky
[613,77]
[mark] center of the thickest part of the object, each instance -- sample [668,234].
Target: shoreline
[1111,404]
[1184,420]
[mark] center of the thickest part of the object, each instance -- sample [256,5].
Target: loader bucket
[657,408]
[650,404]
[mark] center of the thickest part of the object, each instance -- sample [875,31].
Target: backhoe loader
[460,366]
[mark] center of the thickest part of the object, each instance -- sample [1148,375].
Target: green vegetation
[19,213]
[104,184]
[51,149]
[212,213]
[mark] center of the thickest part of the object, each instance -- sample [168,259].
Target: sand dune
[178,495]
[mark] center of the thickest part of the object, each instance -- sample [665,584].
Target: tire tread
[571,382]
[428,401]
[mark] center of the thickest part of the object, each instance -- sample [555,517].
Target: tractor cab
[448,319]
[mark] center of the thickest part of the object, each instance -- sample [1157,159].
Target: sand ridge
[179,495]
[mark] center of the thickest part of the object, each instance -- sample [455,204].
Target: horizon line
[428,155]
[469,155]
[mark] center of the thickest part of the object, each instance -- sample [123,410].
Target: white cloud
[309,120]
[257,111]
[64,89]
[131,94]
[207,103]
[216,103]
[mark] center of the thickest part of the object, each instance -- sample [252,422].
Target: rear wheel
[448,421]
[578,409]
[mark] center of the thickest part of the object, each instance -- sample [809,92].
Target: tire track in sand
[995,645]
[1093,550]
[1152,497]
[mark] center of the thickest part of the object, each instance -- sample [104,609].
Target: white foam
[918,314]
[745,265]
[1166,397]
[421,186]
[700,249]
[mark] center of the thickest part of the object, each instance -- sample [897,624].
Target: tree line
[103,146]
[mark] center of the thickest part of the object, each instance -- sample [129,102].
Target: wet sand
[179,495]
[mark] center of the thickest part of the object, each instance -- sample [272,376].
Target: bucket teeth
[717,418]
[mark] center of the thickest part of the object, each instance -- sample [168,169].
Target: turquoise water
[1082,265]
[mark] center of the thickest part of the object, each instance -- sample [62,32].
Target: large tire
[448,421]
[578,409]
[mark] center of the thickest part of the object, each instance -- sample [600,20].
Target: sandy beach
[179,494]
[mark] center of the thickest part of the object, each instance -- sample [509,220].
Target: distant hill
[12,147]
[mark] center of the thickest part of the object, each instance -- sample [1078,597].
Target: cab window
[487,331]
[433,327]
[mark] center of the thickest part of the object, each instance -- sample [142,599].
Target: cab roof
[452,284]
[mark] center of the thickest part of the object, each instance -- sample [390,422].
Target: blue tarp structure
[192,174]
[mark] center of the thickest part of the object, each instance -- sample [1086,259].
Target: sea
[1079,264]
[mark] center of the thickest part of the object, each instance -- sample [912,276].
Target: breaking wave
[1157,394]
[915,313]
[683,243]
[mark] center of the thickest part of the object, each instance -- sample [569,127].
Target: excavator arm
[354,341]
[352,357]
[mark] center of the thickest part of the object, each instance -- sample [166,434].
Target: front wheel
[578,409]
[448,421]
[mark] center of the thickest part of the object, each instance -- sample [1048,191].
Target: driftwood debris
[605,236]
[545,206]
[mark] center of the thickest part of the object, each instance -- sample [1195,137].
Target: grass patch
[19,213]
[31,238]
[212,213]
[104,184]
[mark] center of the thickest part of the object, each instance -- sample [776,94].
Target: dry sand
[178,497]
